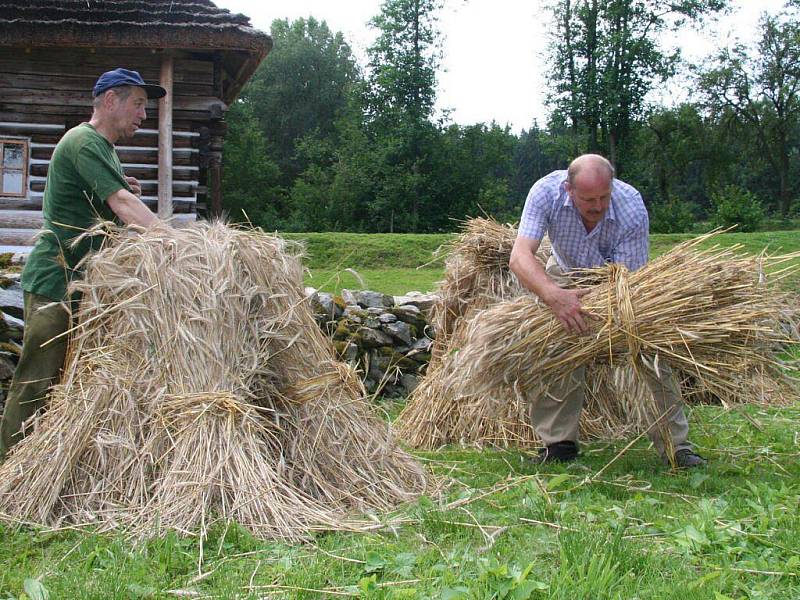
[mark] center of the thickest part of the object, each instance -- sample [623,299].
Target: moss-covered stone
[422,357]
[346,330]
[387,357]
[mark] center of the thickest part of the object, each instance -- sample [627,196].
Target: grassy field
[595,530]
[613,526]
[395,264]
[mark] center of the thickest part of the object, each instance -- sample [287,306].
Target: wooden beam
[165,139]
[215,174]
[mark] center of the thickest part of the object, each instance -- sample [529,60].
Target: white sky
[493,66]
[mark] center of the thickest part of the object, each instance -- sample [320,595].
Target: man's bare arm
[565,303]
[130,209]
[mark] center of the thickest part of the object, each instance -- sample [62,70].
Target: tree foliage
[301,88]
[761,89]
[317,144]
[606,57]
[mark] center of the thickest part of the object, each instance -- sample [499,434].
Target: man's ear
[110,99]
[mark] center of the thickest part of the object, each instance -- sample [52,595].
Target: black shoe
[686,459]
[559,452]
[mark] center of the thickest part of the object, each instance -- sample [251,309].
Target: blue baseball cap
[118,77]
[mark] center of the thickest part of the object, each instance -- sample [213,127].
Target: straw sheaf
[477,276]
[707,312]
[199,388]
[473,393]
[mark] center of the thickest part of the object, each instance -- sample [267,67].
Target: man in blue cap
[85,182]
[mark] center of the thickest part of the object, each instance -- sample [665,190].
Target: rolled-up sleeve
[538,210]
[634,247]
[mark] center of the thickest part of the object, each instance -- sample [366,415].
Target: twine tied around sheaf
[308,389]
[193,405]
[620,304]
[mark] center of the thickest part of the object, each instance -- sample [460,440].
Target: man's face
[129,114]
[591,196]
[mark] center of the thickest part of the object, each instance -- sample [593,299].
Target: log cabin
[52,52]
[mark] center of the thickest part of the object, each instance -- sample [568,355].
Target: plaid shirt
[620,237]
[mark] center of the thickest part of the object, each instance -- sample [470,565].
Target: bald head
[589,182]
[590,166]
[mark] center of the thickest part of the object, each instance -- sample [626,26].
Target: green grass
[636,531]
[389,281]
[728,531]
[369,251]
[389,263]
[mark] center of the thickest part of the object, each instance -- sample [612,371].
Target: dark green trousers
[38,368]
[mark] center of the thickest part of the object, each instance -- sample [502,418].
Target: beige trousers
[555,415]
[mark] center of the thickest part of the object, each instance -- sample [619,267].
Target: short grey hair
[595,160]
[122,91]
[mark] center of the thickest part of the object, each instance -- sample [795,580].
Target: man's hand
[136,187]
[565,303]
[566,306]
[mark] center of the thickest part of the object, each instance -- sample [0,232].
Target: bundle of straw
[199,388]
[708,312]
[477,276]
[476,273]
[445,408]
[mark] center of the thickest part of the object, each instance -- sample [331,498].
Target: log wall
[45,92]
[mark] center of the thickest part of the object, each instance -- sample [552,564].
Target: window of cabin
[13,167]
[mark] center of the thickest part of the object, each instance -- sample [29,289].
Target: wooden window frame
[25,143]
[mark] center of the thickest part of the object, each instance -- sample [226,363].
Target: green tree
[335,190]
[250,180]
[676,149]
[398,107]
[606,57]
[301,88]
[534,157]
[761,88]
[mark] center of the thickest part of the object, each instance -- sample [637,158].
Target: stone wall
[11,329]
[386,338]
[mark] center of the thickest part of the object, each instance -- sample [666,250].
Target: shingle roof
[186,24]
[163,24]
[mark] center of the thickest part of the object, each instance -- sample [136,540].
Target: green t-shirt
[84,171]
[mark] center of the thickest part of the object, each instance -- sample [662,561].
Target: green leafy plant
[676,216]
[735,205]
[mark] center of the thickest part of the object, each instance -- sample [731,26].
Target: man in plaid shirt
[591,219]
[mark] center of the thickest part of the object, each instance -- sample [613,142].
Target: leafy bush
[735,205]
[676,216]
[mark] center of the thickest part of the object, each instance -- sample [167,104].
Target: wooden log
[149,187]
[138,170]
[215,175]
[49,61]
[33,202]
[21,219]
[18,237]
[83,100]
[27,237]
[60,82]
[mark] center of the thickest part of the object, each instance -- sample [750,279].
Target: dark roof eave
[123,34]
